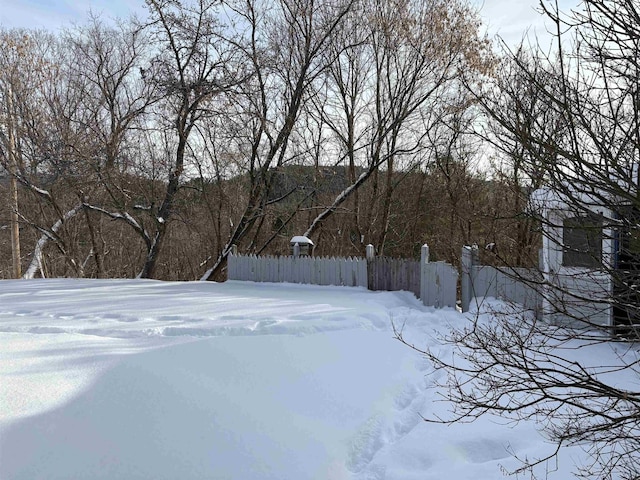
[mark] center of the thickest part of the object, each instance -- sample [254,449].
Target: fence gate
[439,284]
[391,274]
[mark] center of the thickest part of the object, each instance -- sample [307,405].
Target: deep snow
[120,379]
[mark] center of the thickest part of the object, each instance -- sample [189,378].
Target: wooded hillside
[149,147]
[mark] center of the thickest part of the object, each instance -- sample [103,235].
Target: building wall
[575,296]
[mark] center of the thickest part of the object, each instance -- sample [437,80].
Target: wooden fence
[438,284]
[434,283]
[516,285]
[350,272]
[391,274]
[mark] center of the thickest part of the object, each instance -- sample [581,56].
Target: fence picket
[344,271]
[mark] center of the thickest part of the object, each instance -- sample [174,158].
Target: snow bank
[150,380]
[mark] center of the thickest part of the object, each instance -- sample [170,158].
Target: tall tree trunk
[13,165]
[50,235]
[97,251]
[166,209]
[386,207]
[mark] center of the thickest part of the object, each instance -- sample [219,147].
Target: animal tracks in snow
[406,396]
[380,433]
[366,443]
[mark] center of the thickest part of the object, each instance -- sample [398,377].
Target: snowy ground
[114,379]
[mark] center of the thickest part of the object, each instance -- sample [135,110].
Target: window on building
[582,241]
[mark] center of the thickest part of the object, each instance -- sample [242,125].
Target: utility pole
[13,169]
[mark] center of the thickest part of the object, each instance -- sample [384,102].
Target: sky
[54,14]
[513,19]
[508,18]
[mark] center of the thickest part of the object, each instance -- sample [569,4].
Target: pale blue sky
[508,18]
[54,14]
[512,19]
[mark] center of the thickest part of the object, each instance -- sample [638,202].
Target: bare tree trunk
[165,211]
[95,248]
[15,230]
[13,165]
[386,208]
[51,234]
[345,194]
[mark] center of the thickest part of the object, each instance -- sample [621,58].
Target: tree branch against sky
[510,20]
[568,121]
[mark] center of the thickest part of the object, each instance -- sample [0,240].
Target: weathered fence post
[424,254]
[371,252]
[424,278]
[469,257]
[370,255]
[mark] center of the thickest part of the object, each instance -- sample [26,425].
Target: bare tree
[106,65]
[398,80]
[24,64]
[29,71]
[575,130]
[76,117]
[517,111]
[12,163]
[196,64]
[286,43]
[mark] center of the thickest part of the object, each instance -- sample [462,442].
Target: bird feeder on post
[301,246]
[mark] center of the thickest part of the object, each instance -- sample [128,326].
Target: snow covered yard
[121,379]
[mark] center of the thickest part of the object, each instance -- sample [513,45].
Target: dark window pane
[582,241]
